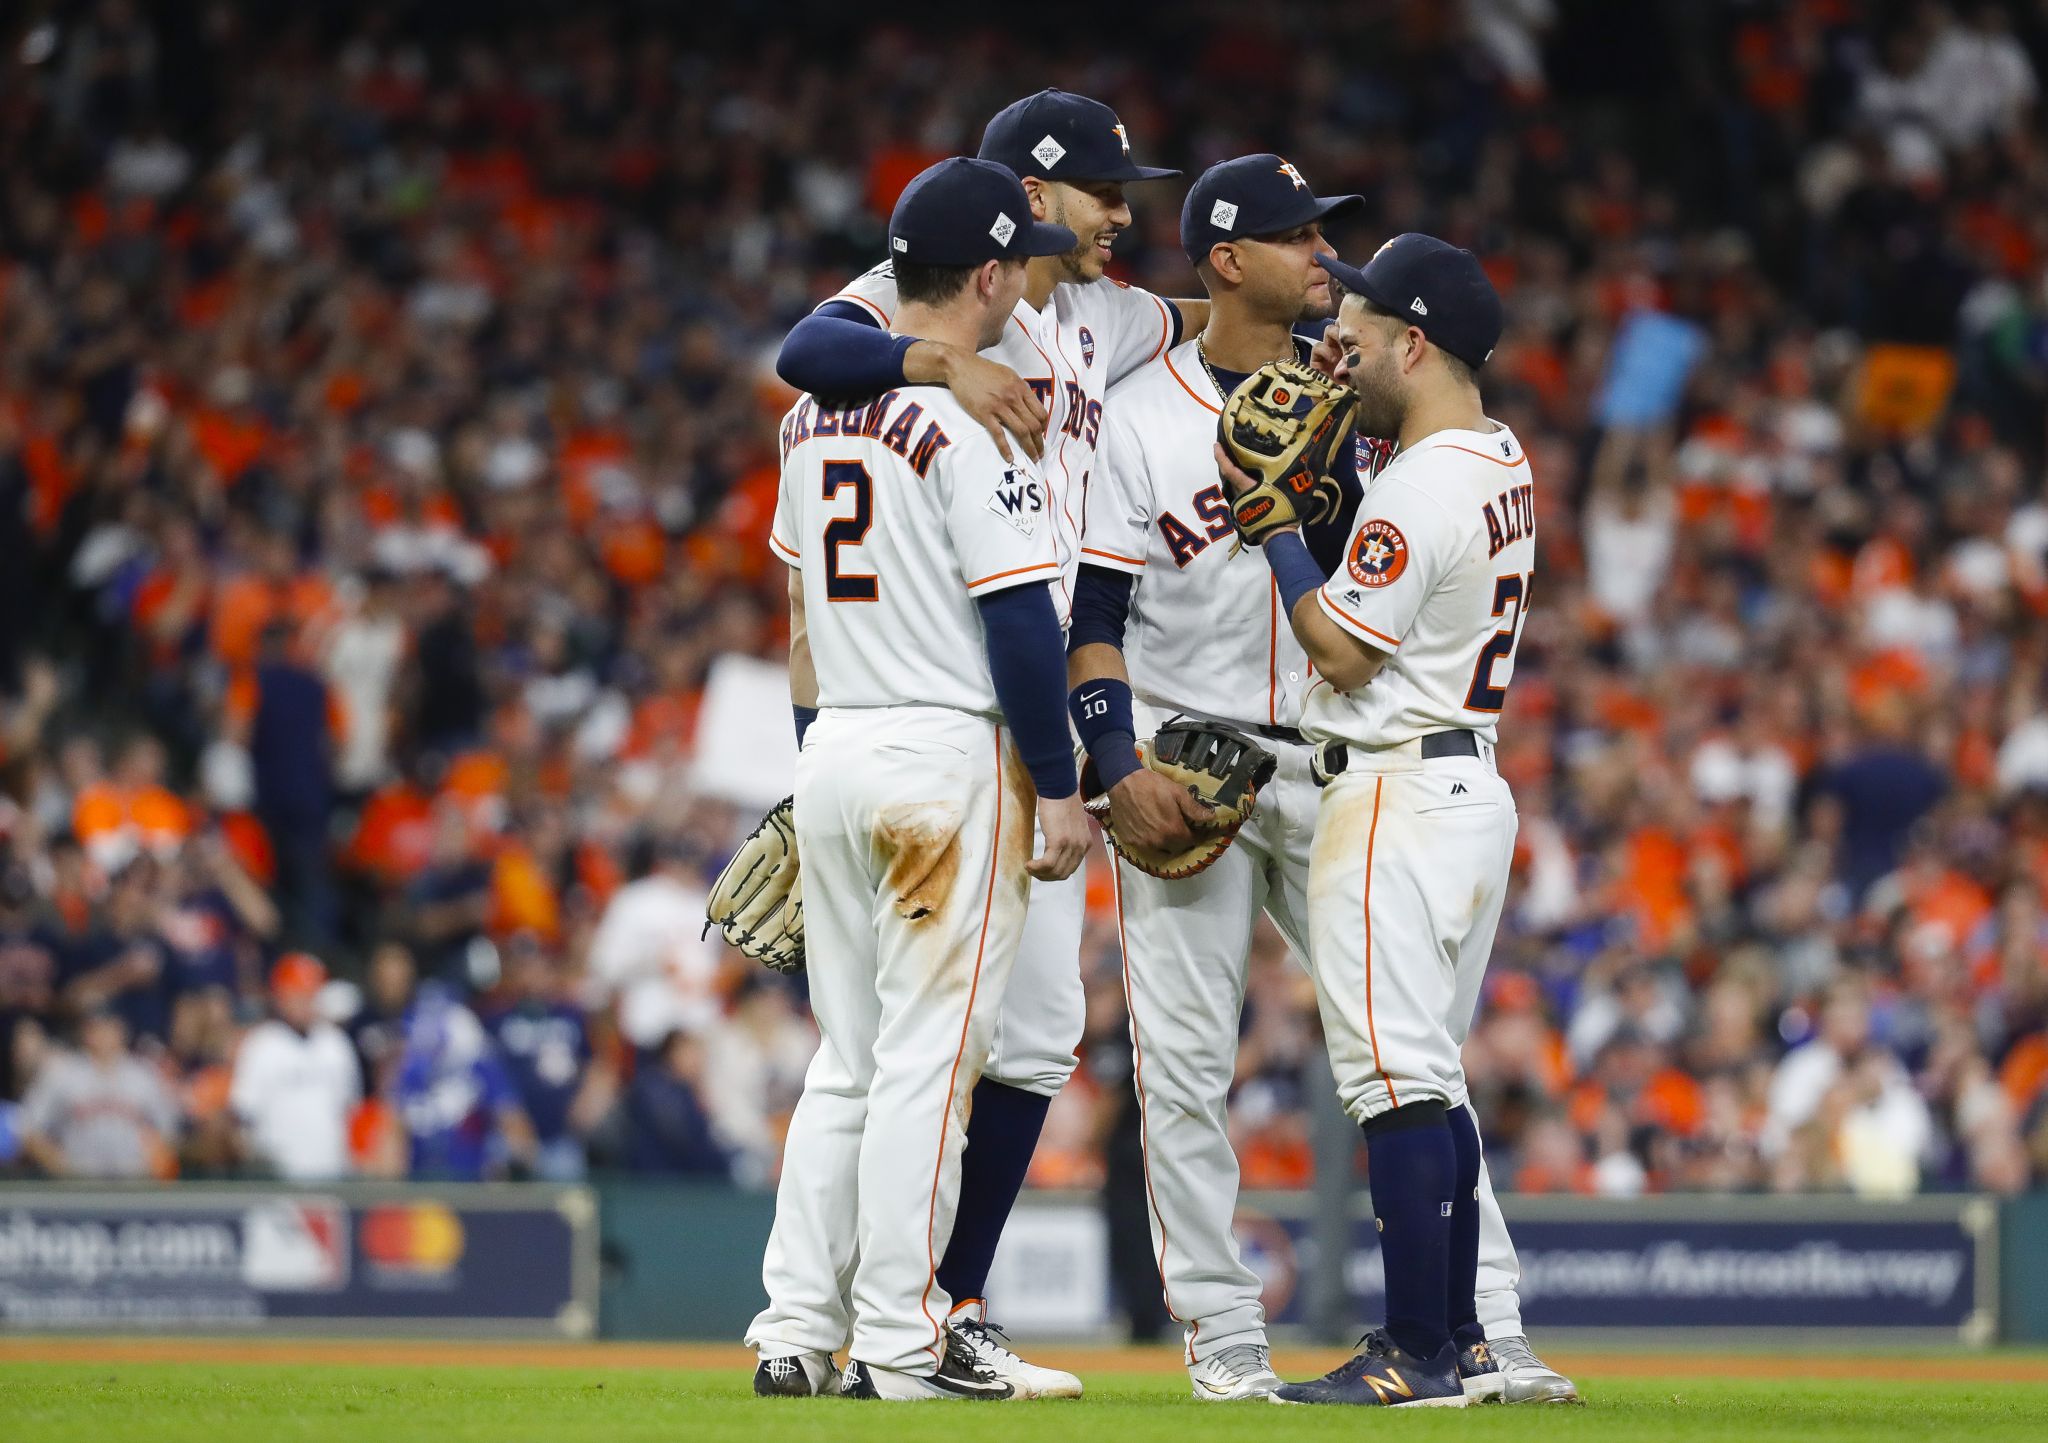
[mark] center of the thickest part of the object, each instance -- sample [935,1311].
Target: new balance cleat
[1526,1378]
[987,1347]
[796,1375]
[1477,1370]
[1384,1375]
[1244,1370]
[958,1377]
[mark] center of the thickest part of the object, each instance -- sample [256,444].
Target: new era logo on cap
[901,244]
[1223,214]
[1048,152]
[1418,307]
[1003,229]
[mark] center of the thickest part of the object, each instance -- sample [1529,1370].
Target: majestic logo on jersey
[1121,138]
[1223,215]
[1048,152]
[1018,499]
[1087,347]
[1003,229]
[1287,169]
[1379,555]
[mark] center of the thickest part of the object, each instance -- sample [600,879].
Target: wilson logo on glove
[1283,426]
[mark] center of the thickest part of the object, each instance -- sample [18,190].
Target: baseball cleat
[1477,1371]
[1244,1370]
[1526,1378]
[958,1377]
[986,1347]
[796,1375]
[1384,1375]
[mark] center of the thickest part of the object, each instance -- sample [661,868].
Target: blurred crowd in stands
[387,448]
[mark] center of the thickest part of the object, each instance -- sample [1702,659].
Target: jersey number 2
[1483,695]
[848,531]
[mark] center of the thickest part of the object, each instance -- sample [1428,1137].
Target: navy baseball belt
[1332,758]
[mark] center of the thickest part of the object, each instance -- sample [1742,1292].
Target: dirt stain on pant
[920,841]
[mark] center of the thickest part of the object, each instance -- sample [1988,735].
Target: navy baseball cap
[1057,136]
[1253,195]
[1432,285]
[963,211]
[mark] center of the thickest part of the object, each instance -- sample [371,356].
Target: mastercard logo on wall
[422,1238]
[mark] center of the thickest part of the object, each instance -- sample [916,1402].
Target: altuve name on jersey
[1515,518]
[872,420]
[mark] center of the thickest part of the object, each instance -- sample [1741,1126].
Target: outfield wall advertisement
[1917,1268]
[453,1260]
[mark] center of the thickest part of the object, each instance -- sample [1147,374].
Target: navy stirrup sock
[1463,1277]
[1002,1133]
[1412,1165]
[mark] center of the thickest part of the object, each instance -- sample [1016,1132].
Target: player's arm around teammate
[926,635]
[1074,157]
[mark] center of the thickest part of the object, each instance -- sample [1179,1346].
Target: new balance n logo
[1391,1386]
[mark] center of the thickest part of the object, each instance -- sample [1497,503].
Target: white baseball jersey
[294,1092]
[1086,339]
[899,512]
[1437,573]
[1205,632]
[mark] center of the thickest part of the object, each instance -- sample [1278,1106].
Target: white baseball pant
[1186,947]
[1406,885]
[914,825]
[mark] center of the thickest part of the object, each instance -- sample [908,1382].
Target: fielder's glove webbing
[758,901]
[1283,427]
[1220,765]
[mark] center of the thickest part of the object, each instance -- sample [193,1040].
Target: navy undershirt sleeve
[1102,603]
[1027,661]
[838,350]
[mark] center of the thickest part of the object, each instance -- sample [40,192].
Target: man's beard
[1381,406]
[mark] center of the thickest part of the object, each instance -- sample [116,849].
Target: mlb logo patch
[1379,555]
[1087,347]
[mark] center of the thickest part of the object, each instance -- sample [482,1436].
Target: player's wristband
[1293,567]
[1101,710]
[805,715]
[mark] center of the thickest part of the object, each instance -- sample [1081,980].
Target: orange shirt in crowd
[114,821]
[395,834]
[247,604]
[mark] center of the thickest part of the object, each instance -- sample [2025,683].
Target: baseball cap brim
[1352,278]
[1317,207]
[1046,239]
[1123,175]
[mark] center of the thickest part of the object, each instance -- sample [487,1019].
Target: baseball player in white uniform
[927,665]
[1073,335]
[1413,640]
[1171,618]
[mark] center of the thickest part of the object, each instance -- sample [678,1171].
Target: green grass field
[175,1402]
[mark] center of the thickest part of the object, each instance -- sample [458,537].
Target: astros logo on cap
[1122,139]
[1287,169]
[1379,555]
